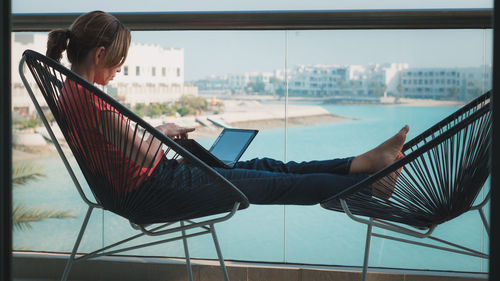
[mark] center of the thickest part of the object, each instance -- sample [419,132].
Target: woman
[97,45]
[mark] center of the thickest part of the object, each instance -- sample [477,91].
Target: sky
[222,52]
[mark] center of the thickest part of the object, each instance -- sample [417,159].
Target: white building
[387,75]
[312,80]
[215,85]
[151,74]
[240,81]
[324,80]
[21,101]
[476,81]
[446,83]
[318,80]
[235,83]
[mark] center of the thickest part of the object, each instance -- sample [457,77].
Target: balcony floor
[31,266]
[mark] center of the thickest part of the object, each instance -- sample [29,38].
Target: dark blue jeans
[268,181]
[264,181]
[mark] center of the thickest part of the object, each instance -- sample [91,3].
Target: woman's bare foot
[384,187]
[381,156]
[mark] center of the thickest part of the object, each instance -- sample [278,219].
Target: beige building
[151,74]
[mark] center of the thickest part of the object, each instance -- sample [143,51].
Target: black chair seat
[443,171]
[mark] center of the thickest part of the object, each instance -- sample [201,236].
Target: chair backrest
[443,171]
[94,126]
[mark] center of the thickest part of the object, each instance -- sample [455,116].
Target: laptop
[225,151]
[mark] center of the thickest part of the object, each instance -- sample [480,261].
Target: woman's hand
[173,131]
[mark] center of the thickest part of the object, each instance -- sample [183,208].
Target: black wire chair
[118,177]
[439,178]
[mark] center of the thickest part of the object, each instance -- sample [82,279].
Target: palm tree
[22,217]
[401,90]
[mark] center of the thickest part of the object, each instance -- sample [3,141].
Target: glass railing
[312,94]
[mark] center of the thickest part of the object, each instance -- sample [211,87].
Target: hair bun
[57,43]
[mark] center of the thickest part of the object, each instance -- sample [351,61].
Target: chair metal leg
[186,252]
[367,249]
[219,253]
[77,244]
[485,221]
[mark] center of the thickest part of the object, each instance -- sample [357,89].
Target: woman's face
[105,74]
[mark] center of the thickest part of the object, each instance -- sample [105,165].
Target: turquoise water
[295,234]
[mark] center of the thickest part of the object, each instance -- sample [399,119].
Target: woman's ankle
[381,156]
[359,164]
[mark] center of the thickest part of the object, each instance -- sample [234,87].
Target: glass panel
[48,210]
[223,69]
[59,6]
[357,76]
[239,79]
[197,79]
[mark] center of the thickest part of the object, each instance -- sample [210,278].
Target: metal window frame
[5,144]
[246,20]
[277,20]
[494,265]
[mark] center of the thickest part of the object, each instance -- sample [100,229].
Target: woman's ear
[99,55]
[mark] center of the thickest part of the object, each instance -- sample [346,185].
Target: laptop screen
[231,144]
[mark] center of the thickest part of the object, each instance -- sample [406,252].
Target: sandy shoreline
[23,153]
[263,124]
[381,101]
[252,114]
[428,102]
[239,113]
[292,121]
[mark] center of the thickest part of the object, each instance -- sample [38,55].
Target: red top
[82,113]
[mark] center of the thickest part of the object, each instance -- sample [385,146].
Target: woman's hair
[89,31]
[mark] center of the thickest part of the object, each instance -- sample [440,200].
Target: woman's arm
[124,136]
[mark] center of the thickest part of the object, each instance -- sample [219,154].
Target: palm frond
[21,217]
[26,172]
